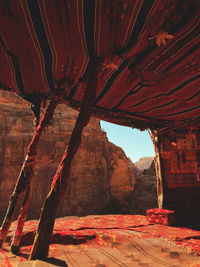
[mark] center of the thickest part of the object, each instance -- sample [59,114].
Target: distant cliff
[144,195]
[144,163]
[102,176]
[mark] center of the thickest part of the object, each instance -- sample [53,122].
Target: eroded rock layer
[102,176]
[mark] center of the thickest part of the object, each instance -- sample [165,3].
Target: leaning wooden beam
[20,222]
[26,172]
[45,228]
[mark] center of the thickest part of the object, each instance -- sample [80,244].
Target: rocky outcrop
[102,177]
[144,163]
[144,195]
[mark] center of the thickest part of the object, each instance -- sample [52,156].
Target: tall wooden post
[44,232]
[26,172]
[158,175]
[158,167]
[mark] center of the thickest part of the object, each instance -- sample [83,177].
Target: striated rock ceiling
[148,53]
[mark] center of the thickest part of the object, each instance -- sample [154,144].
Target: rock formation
[102,177]
[144,195]
[144,163]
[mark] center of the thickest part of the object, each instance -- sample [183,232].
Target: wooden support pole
[26,172]
[158,167]
[45,228]
[20,222]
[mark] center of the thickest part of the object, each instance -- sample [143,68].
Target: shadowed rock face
[144,163]
[102,177]
[144,195]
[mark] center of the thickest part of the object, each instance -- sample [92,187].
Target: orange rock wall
[102,175]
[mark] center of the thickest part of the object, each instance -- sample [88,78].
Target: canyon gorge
[103,179]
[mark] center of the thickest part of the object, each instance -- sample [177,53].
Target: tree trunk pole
[20,222]
[159,175]
[26,172]
[45,228]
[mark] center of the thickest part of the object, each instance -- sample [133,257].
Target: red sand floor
[111,240]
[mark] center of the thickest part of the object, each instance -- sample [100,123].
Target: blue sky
[136,144]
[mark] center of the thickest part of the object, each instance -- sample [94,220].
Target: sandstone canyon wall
[102,176]
[144,195]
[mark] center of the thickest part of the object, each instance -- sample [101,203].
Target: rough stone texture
[144,163]
[102,176]
[144,195]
